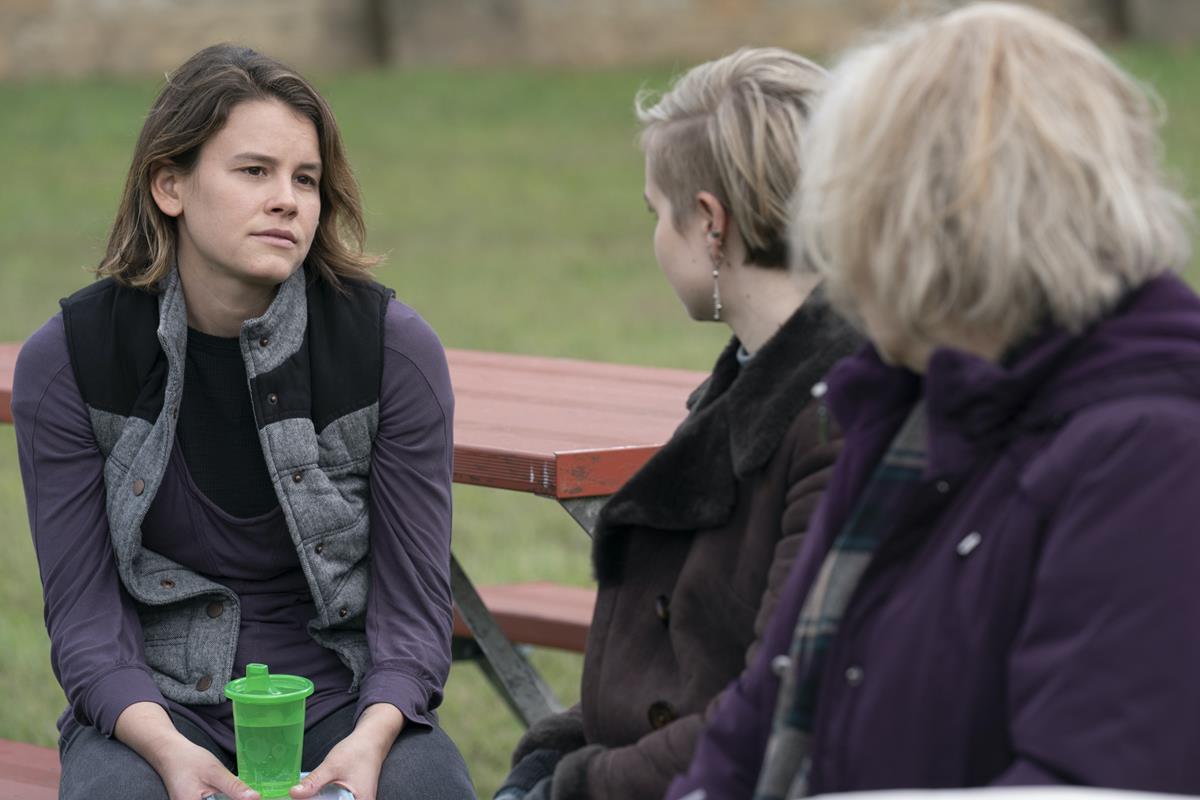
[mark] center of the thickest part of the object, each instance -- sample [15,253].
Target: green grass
[508,204]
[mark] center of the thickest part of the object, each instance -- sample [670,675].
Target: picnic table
[568,430]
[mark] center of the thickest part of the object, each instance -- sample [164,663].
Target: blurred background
[495,144]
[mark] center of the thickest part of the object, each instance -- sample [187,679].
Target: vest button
[203,684]
[215,609]
[139,486]
[343,612]
[661,714]
[319,549]
[167,583]
[272,398]
[264,341]
[297,476]
[662,608]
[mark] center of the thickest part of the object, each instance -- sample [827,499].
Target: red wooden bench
[538,613]
[27,772]
[564,429]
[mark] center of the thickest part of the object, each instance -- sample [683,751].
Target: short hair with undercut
[732,127]
[986,171]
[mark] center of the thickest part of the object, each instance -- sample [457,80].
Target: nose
[283,197]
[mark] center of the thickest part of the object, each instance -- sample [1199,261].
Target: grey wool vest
[314,363]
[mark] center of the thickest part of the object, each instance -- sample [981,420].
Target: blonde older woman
[1002,583]
[691,552]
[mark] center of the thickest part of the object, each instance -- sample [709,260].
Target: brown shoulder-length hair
[191,108]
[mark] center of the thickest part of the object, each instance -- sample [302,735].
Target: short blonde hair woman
[690,552]
[1001,585]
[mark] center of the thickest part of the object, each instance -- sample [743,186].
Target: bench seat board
[28,772]
[538,613]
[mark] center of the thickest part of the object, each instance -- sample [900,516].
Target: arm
[645,769]
[95,635]
[1102,687]
[409,608]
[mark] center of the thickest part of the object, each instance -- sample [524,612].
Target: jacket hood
[1149,344]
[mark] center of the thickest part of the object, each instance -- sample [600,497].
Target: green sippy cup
[268,725]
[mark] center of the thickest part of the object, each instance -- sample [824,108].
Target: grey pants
[423,764]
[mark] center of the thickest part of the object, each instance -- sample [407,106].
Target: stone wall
[84,37]
[588,32]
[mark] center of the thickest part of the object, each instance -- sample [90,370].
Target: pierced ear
[165,187]
[715,217]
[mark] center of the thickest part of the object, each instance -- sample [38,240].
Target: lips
[276,236]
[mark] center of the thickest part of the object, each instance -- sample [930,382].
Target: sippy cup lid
[260,687]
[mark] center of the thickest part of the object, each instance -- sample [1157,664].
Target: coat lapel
[737,419]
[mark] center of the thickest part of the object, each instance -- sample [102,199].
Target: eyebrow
[313,166]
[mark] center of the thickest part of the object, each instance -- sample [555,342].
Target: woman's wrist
[146,728]
[380,723]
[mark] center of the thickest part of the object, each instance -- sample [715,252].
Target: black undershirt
[216,428]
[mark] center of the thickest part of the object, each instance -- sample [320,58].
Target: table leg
[514,678]
[584,510]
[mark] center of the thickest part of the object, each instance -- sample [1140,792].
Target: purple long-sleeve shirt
[1031,617]
[95,635]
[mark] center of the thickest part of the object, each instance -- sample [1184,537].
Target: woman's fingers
[229,784]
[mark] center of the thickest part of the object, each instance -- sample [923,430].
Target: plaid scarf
[788,758]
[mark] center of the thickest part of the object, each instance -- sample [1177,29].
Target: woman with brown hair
[236,448]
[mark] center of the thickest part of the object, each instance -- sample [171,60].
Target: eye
[255,171]
[307,180]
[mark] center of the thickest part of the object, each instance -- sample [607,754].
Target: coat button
[854,675]
[139,486]
[203,684]
[319,549]
[661,714]
[662,608]
[343,612]
[942,487]
[297,476]
[780,665]
[264,341]
[167,583]
[215,609]
[272,398]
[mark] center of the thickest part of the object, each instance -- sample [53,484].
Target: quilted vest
[313,362]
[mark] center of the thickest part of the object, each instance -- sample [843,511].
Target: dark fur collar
[738,417]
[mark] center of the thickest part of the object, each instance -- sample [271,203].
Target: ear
[716,220]
[165,187]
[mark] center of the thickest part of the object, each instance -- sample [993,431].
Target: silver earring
[716,274]
[716,295]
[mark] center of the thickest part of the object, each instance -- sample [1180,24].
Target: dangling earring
[716,274]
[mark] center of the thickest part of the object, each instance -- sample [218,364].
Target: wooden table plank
[551,426]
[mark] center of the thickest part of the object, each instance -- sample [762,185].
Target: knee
[96,768]
[112,784]
[424,764]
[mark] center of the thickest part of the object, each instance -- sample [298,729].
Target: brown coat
[689,556]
